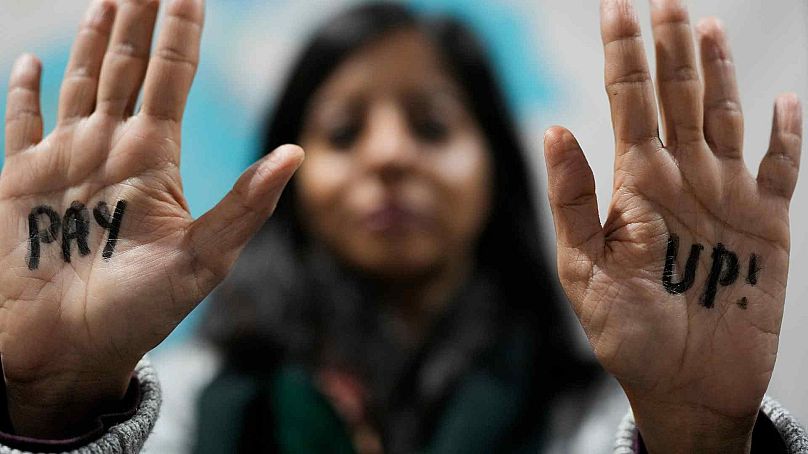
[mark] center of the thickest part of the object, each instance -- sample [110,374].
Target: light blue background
[221,131]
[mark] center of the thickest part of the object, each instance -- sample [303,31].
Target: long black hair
[245,318]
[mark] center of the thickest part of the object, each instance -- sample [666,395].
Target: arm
[776,431]
[681,290]
[123,431]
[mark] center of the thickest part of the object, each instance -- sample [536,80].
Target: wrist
[677,429]
[59,407]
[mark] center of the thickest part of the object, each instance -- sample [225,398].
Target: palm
[90,298]
[690,352]
[704,339]
[75,314]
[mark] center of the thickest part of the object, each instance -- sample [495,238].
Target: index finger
[174,62]
[628,81]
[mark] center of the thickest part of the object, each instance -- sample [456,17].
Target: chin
[393,258]
[398,266]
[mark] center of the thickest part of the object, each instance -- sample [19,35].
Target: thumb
[217,238]
[571,189]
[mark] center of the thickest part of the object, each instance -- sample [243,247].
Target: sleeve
[122,430]
[776,431]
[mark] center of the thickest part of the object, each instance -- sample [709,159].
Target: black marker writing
[724,271]
[101,215]
[754,267]
[76,226]
[690,268]
[113,224]
[35,236]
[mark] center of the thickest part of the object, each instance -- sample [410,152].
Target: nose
[389,148]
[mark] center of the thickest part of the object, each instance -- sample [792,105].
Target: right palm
[59,319]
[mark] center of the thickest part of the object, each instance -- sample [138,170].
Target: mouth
[393,218]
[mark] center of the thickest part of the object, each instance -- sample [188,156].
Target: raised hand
[99,257]
[681,291]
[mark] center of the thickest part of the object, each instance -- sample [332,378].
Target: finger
[679,85]
[723,119]
[628,82]
[127,57]
[217,238]
[777,174]
[175,60]
[23,114]
[571,190]
[80,85]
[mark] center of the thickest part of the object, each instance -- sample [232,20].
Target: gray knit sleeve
[793,434]
[128,436]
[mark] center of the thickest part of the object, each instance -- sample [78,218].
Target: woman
[407,245]
[84,313]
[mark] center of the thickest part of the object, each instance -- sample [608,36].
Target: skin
[70,327]
[391,125]
[70,333]
[695,376]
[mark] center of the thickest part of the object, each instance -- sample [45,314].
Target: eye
[343,137]
[431,130]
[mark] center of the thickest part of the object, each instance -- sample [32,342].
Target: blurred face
[397,177]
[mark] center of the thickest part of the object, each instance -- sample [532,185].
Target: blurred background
[550,60]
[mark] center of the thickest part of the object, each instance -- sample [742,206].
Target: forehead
[401,62]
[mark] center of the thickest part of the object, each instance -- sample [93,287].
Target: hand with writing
[681,290]
[99,257]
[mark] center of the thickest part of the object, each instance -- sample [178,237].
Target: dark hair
[244,319]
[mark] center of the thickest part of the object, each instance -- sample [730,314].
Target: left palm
[701,335]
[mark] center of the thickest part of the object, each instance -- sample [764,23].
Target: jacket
[596,420]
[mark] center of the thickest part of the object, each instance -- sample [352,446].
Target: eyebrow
[442,94]
[439,90]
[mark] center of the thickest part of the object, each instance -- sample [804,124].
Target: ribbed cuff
[122,429]
[776,431]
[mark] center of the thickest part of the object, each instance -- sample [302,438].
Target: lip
[392,217]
